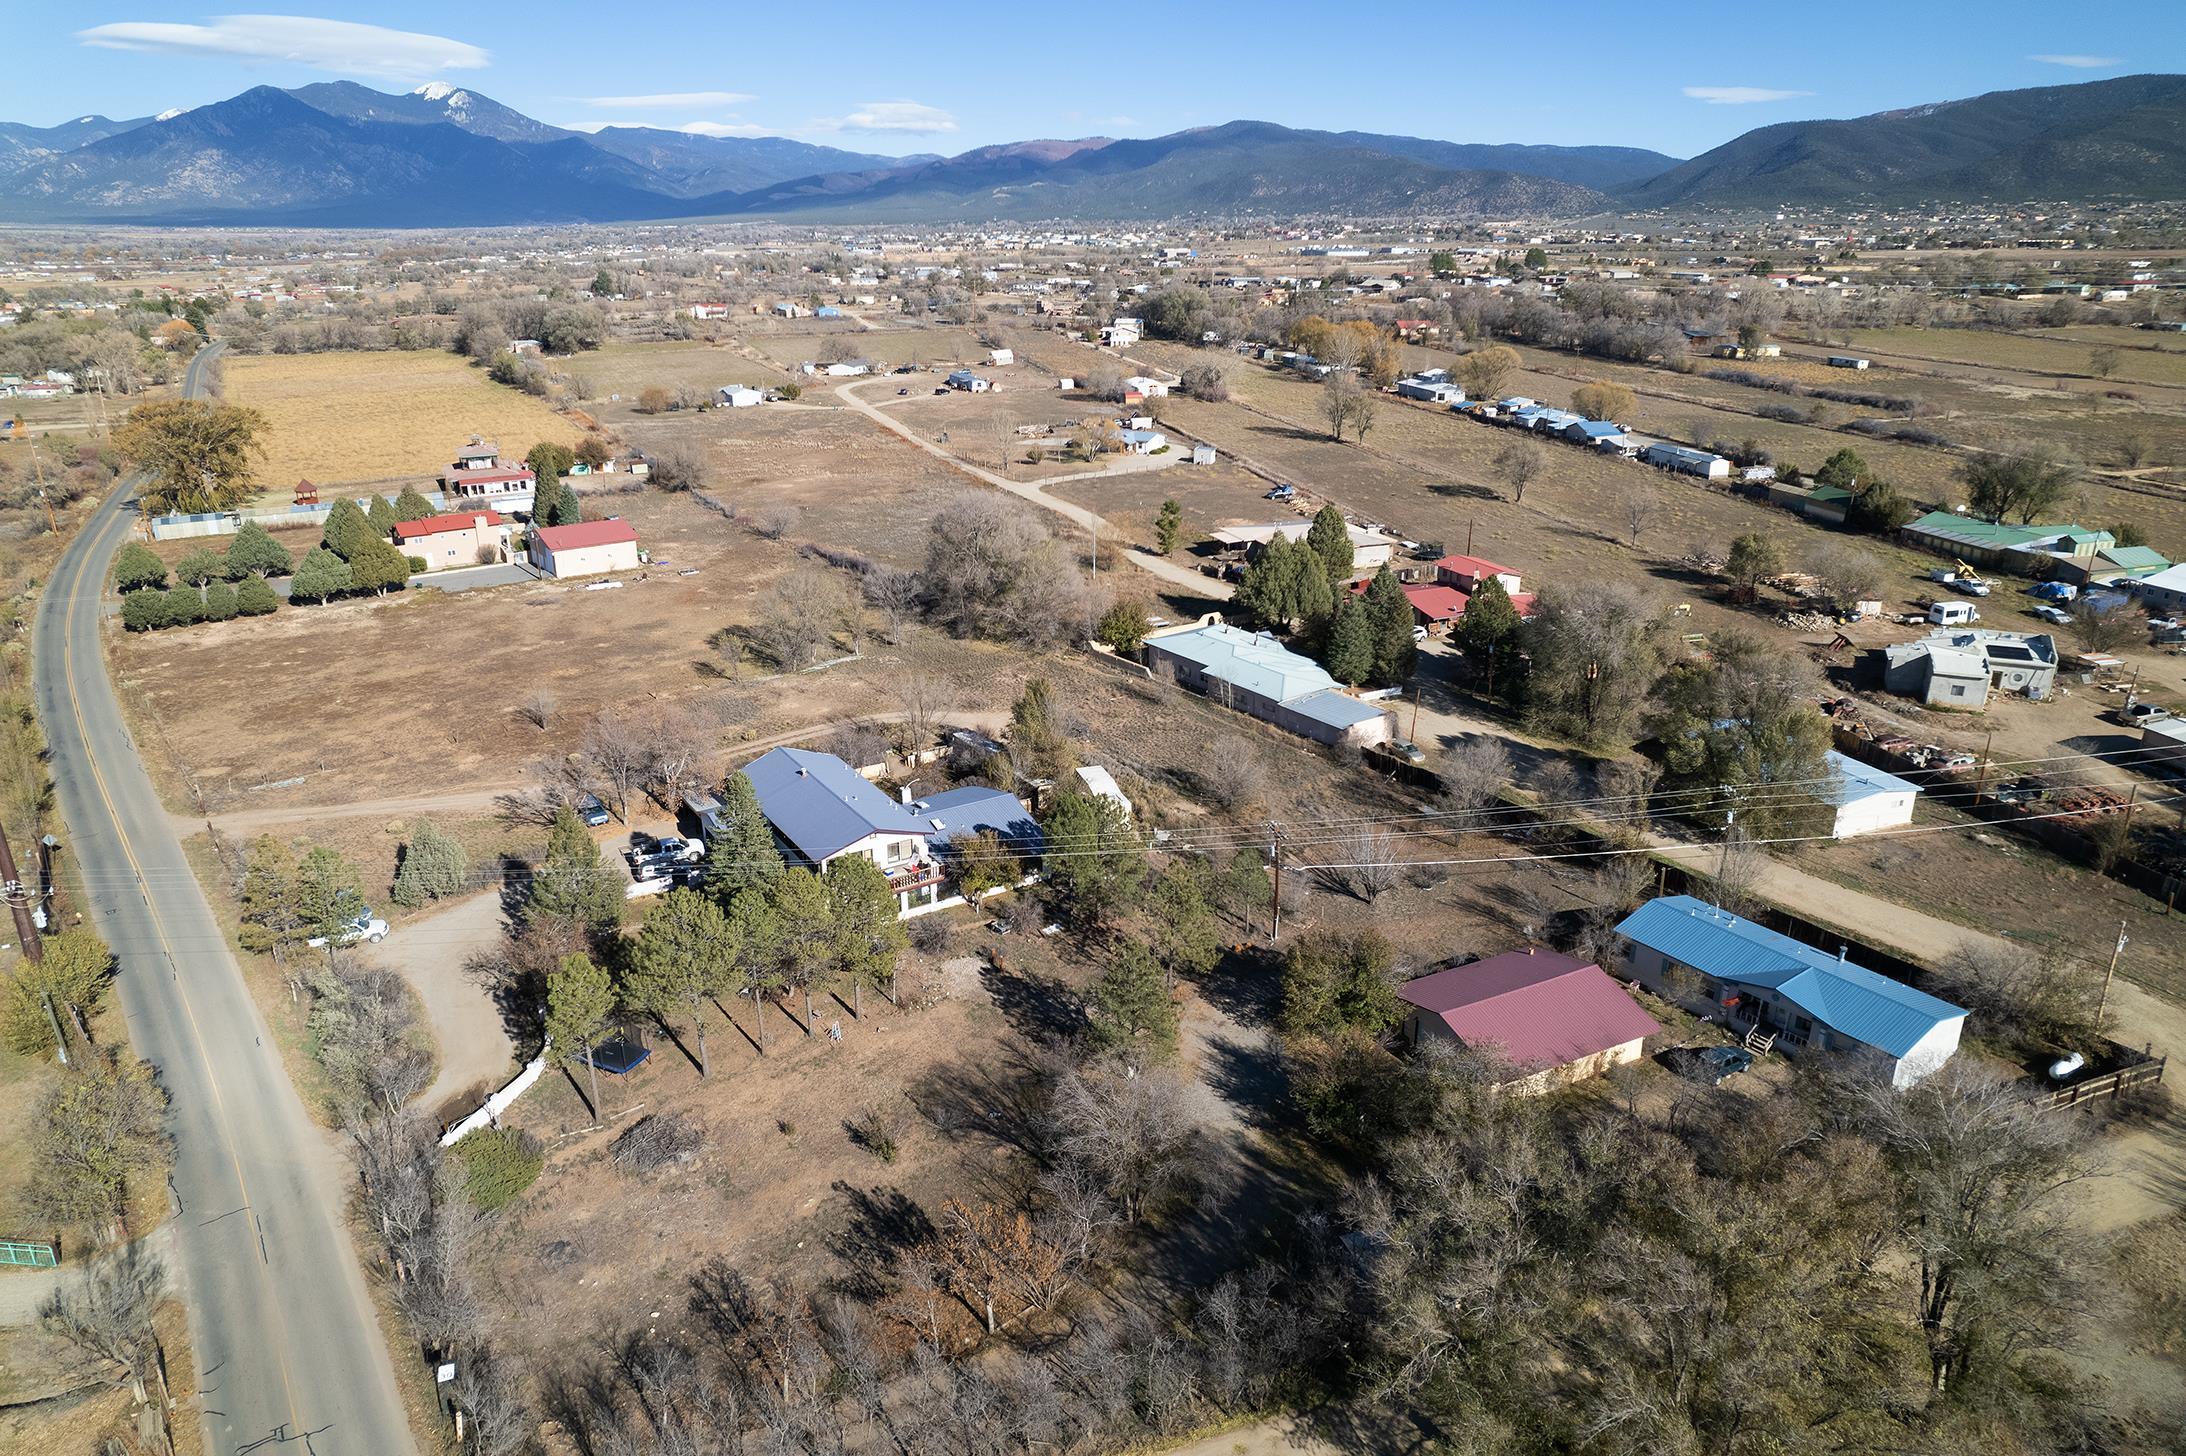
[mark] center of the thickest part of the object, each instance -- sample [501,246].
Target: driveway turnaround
[287,1346]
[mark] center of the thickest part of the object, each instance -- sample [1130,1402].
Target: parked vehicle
[2057,616]
[366,927]
[1712,1066]
[591,810]
[2138,715]
[1280,493]
[1402,749]
[1953,614]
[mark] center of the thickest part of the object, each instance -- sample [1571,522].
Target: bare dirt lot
[338,418]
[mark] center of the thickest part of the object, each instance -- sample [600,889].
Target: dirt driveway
[475,1050]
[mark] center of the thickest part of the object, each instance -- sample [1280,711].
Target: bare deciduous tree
[1637,503]
[1473,779]
[894,593]
[539,708]
[107,1315]
[1517,464]
[613,750]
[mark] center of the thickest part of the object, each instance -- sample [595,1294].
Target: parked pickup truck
[368,927]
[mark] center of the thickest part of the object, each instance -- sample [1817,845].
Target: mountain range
[340,154]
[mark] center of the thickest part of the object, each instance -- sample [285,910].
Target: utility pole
[49,890]
[1981,775]
[1275,857]
[18,898]
[1414,734]
[2115,951]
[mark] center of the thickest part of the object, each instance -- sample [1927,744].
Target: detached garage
[588,548]
[1865,798]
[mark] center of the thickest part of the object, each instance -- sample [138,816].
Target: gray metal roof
[820,805]
[965,812]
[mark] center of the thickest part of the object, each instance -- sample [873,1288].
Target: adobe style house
[1553,1018]
[587,548]
[820,810]
[480,479]
[1756,979]
[467,538]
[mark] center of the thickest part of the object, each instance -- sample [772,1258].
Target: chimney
[904,794]
[1840,955]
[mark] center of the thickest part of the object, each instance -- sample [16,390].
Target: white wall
[1929,1053]
[1874,811]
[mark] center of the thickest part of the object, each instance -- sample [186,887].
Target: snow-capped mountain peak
[170,113]
[442,91]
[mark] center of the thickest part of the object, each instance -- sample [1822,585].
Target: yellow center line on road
[121,836]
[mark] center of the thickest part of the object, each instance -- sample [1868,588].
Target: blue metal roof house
[820,809]
[1257,675]
[961,813]
[1756,978]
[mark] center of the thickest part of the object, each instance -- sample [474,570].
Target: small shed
[1865,798]
[1203,454]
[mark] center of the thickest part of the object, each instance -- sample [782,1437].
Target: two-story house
[820,810]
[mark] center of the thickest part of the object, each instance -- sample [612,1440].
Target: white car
[367,927]
[2057,615]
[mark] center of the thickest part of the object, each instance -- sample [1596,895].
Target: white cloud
[1740,95]
[2079,63]
[326,45]
[670,101]
[910,116]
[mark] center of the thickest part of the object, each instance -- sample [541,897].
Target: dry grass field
[2021,351]
[628,369]
[350,418]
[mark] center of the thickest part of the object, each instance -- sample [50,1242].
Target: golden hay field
[339,418]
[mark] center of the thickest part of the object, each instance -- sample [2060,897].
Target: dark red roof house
[1554,1018]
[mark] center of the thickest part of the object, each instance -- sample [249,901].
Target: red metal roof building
[581,534]
[435,525]
[1554,1017]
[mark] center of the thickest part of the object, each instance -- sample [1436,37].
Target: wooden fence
[2110,1084]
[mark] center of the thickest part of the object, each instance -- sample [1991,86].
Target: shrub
[653,1143]
[1783,413]
[499,1163]
[137,567]
[417,564]
[144,610]
[254,598]
[184,606]
[220,602]
[872,1131]
[253,550]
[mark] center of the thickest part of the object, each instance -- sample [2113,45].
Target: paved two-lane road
[281,1321]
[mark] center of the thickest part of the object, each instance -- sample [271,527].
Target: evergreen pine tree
[144,610]
[1351,644]
[199,565]
[1168,526]
[347,530]
[184,606]
[412,505]
[744,857]
[434,867]
[270,922]
[378,566]
[220,602]
[580,998]
[254,550]
[254,598]
[572,884]
[321,575]
[1330,538]
[1490,621]
[1132,1013]
[1389,616]
[137,567]
[868,937]
[682,957]
[382,516]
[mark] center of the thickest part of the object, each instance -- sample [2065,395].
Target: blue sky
[898,78]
